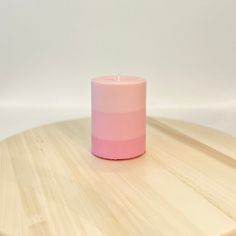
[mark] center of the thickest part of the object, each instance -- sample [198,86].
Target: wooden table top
[185,184]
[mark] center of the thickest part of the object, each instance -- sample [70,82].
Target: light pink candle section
[118,117]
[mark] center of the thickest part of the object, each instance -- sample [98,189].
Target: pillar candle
[118,117]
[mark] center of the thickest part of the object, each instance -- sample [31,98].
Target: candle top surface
[119,80]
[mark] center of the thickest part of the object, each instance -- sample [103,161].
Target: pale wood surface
[185,184]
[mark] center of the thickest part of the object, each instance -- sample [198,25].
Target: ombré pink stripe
[119,126]
[118,149]
[122,98]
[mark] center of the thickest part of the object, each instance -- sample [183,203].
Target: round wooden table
[185,184]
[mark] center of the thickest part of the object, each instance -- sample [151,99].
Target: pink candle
[118,117]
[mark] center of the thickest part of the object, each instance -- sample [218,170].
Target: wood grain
[185,184]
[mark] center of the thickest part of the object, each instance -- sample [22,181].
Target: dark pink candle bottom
[118,149]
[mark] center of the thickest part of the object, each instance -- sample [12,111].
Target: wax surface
[118,117]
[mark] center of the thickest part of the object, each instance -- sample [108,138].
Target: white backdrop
[50,49]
